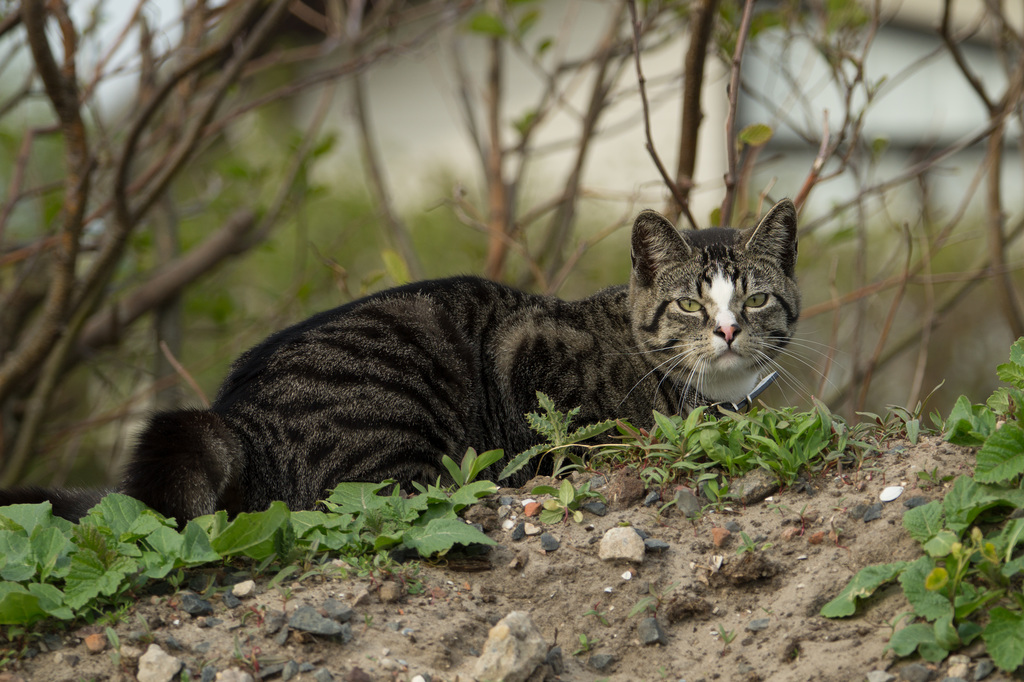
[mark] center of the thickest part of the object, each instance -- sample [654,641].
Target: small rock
[915,501]
[595,507]
[733,527]
[514,649]
[600,662]
[621,543]
[816,538]
[873,512]
[790,533]
[156,665]
[649,631]
[758,624]
[915,672]
[519,532]
[652,498]
[531,529]
[335,610]
[208,673]
[880,676]
[323,675]
[548,542]
[231,601]
[687,503]
[857,512]
[308,619]
[390,592]
[554,660]
[506,500]
[194,605]
[755,485]
[625,489]
[508,524]
[362,597]
[532,509]
[96,642]
[655,545]
[244,589]
[719,536]
[290,670]
[983,669]
[233,675]
[959,666]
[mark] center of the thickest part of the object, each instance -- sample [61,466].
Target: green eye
[756,301]
[690,305]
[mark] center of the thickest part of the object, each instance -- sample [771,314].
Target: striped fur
[383,387]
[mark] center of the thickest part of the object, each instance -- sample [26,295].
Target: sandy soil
[438,631]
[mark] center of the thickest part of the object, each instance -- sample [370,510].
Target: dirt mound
[736,605]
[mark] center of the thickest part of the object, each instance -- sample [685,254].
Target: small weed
[587,644]
[600,615]
[727,636]
[653,601]
[566,501]
[748,545]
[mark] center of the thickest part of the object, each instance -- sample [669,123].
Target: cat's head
[713,307]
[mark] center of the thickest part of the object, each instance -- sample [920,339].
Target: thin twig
[183,373]
[731,152]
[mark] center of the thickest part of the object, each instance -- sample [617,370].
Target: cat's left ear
[775,236]
[655,244]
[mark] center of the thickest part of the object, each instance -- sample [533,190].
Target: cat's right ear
[655,243]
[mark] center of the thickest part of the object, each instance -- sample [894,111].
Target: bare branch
[731,151]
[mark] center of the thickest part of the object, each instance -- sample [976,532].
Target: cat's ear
[655,243]
[775,236]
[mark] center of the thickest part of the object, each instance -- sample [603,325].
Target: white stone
[244,589]
[514,649]
[156,665]
[621,543]
[233,675]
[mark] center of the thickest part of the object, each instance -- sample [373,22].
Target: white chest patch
[721,293]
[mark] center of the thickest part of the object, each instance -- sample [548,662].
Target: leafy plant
[559,442]
[969,583]
[566,501]
[653,601]
[748,545]
[472,465]
[587,644]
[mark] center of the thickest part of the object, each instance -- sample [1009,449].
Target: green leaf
[1013,371]
[256,535]
[357,498]
[395,266]
[18,605]
[1002,456]
[924,522]
[941,545]
[454,470]
[917,637]
[99,567]
[487,24]
[566,493]
[667,426]
[440,535]
[927,604]
[590,431]
[122,515]
[31,516]
[195,548]
[469,494]
[1004,638]
[861,586]
[522,459]
[14,556]
[756,134]
[482,461]
[50,548]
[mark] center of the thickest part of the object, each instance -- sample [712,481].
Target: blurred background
[179,179]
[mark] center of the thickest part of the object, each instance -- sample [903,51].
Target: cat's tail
[186,464]
[68,503]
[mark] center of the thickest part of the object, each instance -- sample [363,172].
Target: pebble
[244,589]
[390,592]
[873,512]
[621,543]
[323,675]
[231,601]
[335,610]
[655,545]
[652,498]
[156,665]
[915,672]
[194,605]
[554,660]
[916,501]
[733,527]
[233,675]
[506,500]
[601,662]
[858,511]
[755,485]
[208,673]
[513,650]
[880,676]
[308,619]
[531,529]
[548,542]
[290,670]
[983,669]
[959,666]
[96,642]
[595,507]
[719,536]
[531,509]
[650,632]
[519,532]
[508,524]
[687,503]
[758,624]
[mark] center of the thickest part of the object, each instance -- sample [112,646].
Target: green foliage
[565,503]
[472,465]
[968,583]
[560,443]
[50,568]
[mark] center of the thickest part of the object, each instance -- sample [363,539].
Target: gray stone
[873,513]
[194,605]
[156,665]
[554,660]
[290,670]
[755,485]
[601,662]
[519,532]
[621,543]
[308,619]
[858,511]
[642,533]
[506,500]
[915,501]
[323,675]
[915,672]
[513,650]
[688,504]
[652,498]
[548,542]
[234,675]
[208,673]
[983,669]
[733,527]
[231,601]
[335,610]
[655,545]
[595,507]
[649,631]
[758,624]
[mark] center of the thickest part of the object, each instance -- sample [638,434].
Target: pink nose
[728,331]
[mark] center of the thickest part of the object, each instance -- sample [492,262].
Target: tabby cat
[384,386]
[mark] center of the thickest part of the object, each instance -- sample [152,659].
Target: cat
[385,386]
